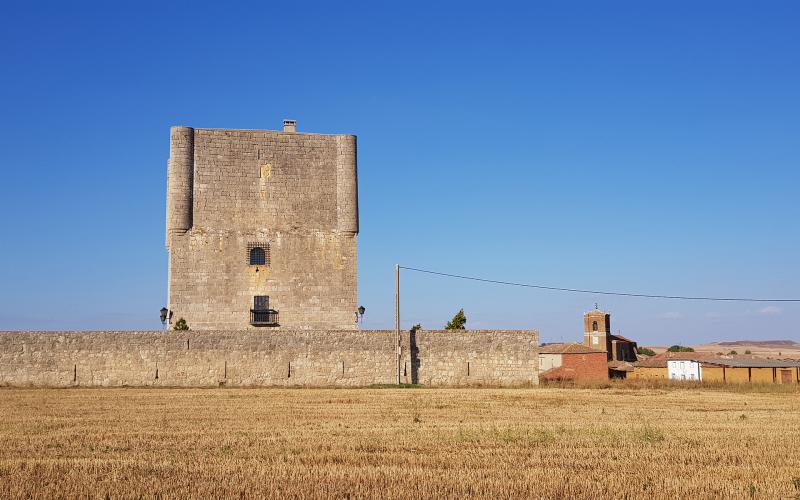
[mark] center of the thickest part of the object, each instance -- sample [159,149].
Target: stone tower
[597,329]
[262,228]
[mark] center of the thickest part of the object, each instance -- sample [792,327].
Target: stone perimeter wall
[267,358]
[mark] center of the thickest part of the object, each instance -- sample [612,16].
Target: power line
[598,292]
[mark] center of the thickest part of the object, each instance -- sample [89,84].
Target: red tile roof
[620,337]
[660,360]
[557,373]
[621,366]
[569,348]
[707,358]
[752,363]
[652,362]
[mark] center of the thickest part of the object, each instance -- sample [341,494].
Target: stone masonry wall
[265,358]
[470,357]
[294,194]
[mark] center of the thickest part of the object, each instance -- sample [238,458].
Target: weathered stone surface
[267,358]
[294,194]
[470,357]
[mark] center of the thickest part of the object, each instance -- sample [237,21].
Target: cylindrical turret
[180,179]
[346,184]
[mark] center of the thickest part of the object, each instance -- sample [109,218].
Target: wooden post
[397,316]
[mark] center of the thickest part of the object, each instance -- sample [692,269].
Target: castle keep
[261,233]
[262,228]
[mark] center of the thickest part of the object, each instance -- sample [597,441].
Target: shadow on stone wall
[414,358]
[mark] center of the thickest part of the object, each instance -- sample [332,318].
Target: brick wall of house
[580,367]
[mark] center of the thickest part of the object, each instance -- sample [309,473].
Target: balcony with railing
[265,317]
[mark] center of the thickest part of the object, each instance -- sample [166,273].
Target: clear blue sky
[628,146]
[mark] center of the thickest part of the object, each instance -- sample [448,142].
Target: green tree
[680,348]
[733,353]
[646,351]
[458,321]
[416,328]
[181,324]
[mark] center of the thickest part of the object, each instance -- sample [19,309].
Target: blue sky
[625,146]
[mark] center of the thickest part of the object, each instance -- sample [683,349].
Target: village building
[651,368]
[572,362]
[708,367]
[655,367]
[684,369]
[620,351]
[261,229]
[753,370]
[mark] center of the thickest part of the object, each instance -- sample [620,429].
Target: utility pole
[397,315]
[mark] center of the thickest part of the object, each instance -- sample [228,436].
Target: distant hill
[783,349]
[759,343]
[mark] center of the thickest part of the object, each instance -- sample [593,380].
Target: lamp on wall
[361,311]
[164,312]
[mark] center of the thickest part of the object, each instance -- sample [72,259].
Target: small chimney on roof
[289,126]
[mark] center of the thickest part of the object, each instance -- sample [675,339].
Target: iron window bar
[266,317]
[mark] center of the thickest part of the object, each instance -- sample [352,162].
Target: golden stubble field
[540,442]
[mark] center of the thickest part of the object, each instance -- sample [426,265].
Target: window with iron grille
[258,254]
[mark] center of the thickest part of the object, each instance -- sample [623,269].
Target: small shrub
[181,325]
[415,328]
[748,352]
[732,353]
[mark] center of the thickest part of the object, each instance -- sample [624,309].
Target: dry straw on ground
[541,442]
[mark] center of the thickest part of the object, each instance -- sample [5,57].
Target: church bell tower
[596,329]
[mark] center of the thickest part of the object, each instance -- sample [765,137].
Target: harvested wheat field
[537,442]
